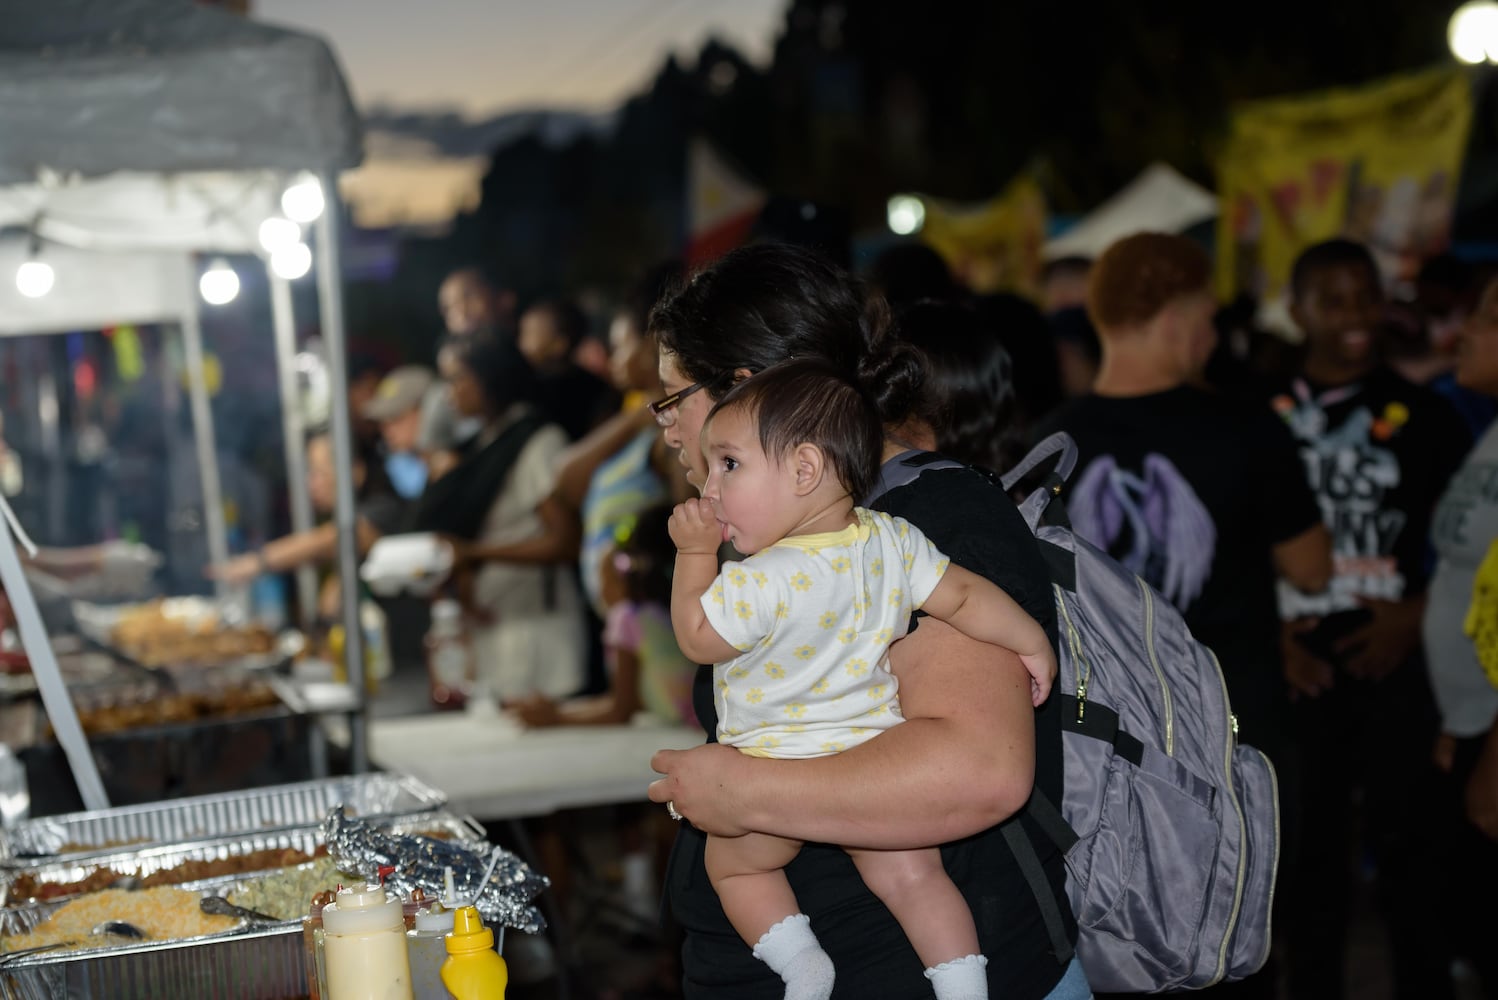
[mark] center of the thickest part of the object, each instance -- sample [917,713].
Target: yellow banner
[993,246]
[1377,164]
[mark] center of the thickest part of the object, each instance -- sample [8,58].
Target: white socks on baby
[960,979]
[791,950]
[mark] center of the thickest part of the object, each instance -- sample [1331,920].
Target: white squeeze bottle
[426,945]
[364,945]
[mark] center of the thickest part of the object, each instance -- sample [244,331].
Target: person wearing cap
[397,407]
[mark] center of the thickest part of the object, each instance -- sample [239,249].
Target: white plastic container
[364,946]
[427,947]
[413,563]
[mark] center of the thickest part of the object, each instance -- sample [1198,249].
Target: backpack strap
[1040,888]
[905,468]
[1043,506]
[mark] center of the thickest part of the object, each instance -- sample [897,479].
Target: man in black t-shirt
[1377,451]
[1199,494]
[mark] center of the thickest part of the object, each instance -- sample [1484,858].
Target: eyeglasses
[665,409]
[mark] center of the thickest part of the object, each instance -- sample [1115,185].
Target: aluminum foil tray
[265,963]
[260,962]
[304,804]
[97,623]
[142,862]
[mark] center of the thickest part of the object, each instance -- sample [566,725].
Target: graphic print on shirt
[1154,524]
[1351,470]
[1477,482]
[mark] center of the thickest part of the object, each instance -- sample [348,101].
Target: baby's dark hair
[807,400]
[646,543]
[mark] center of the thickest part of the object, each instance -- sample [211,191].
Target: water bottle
[449,666]
[268,601]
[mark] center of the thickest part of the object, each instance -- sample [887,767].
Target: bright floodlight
[303,201]
[906,214]
[1473,32]
[34,279]
[291,262]
[219,284]
[276,234]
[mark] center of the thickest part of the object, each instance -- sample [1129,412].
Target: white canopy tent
[94,289]
[1158,200]
[159,125]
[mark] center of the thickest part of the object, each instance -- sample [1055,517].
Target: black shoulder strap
[1030,867]
[458,502]
[906,468]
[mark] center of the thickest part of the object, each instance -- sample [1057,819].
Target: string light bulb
[219,285]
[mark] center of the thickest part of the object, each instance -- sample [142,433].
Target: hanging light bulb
[219,284]
[1472,32]
[34,279]
[291,262]
[905,214]
[303,200]
[277,234]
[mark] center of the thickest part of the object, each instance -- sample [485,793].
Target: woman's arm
[577,464]
[290,551]
[558,542]
[963,760]
[279,555]
[615,706]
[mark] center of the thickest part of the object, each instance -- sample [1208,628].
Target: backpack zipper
[1227,774]
[1074,641]
[1149,643]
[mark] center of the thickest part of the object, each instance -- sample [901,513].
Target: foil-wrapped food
[418,862]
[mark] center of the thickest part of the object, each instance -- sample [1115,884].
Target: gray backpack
[1170,828]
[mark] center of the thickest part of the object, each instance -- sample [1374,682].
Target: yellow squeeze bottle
[473,970]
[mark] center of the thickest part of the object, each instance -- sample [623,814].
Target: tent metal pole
[203,437]
[55,698]
[294,432]
[49,413]
[330,284]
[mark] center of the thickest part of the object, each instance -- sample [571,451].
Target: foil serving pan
[86,834]
[97,624]
[263,961]
[142,862]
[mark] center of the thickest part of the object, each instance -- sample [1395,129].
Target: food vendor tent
[160,125]
[1158,200]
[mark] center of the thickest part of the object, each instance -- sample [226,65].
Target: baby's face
[752,494]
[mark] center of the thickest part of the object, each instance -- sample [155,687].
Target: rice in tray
[163,913]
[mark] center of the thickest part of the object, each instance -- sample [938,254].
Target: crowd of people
[1320,510]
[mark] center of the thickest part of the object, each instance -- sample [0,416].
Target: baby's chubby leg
[932,912]
[748,874]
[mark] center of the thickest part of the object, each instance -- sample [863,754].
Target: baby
[800,631]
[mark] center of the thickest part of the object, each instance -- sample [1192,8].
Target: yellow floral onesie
[814,616]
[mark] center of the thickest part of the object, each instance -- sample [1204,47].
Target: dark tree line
[866,98]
